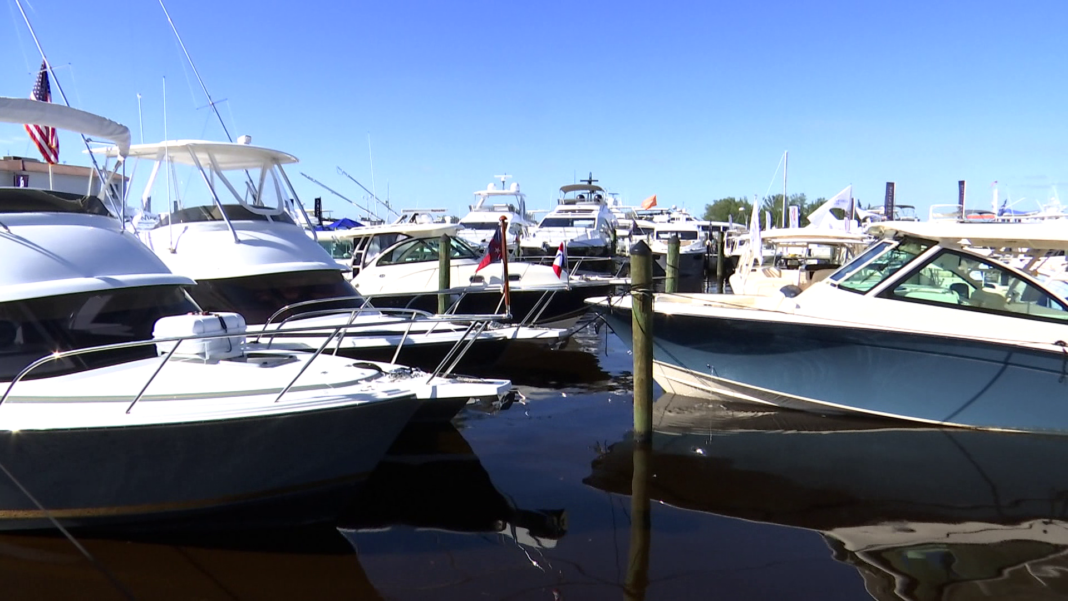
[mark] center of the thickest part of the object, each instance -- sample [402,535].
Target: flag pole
[504,265]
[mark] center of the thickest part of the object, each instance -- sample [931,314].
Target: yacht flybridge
[484,218]
[120,401]
[583,222]
[921,327]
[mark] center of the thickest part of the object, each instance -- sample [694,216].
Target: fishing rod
[341,171]
[336,193]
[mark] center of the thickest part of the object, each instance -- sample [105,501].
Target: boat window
[258,297]
[567,222]
[338,249]
[867,274]
[970,282]
[683,235]
[33,328]
[421,250]
[481,225]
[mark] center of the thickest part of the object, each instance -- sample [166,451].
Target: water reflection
[920,513]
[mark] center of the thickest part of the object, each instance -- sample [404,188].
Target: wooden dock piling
[444,271]
[671,284]
[641,281]
[721,267]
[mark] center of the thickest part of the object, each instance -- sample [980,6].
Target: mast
[785,163]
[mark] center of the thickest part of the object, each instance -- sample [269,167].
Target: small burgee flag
[44,137]
[560,262]
[650,202]
[493,251]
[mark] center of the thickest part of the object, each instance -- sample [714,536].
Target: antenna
[370,160]
[140,121]
[503,179]
[338,194]
[589,180]
[341,171]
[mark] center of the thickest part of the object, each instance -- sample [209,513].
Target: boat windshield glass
[481,225]
[972,283]
[421,250]
[36,327]
[874,266]
[258,297]
[576,222]
[683,235]
[338,249]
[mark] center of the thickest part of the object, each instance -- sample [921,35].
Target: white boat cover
[228,155]
[24,110]
[1038,236]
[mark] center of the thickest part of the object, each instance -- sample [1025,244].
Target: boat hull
[690,264]
[834,369]
[565,307]
[94,477]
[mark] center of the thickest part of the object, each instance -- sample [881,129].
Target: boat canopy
[802,235]
[227,155]
[580,188]
[24,110]
[1035,236]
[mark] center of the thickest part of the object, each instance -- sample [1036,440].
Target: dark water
[536,502]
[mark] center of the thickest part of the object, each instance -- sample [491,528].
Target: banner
[960,197]
[318,212]
[795,216]
[888,202]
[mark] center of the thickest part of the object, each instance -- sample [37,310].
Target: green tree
[773,204]
[736,208]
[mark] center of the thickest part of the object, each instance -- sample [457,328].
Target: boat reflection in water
[922,513]
[432,479]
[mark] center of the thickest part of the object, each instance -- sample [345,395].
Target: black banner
[960,197]
[319,210]
[888,202]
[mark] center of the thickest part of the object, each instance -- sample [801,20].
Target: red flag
[44,137]
[493,251]
[650,202]
[560,262]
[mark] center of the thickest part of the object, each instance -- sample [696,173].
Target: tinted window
[421,250]
[257,298]
[31,329]
[865,277]
[567,222]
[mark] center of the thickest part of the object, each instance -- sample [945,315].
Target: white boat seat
[987,300]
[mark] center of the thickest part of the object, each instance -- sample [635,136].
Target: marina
[222,381]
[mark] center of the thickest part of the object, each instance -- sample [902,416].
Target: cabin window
[421,250]
[567,222]
[481,225]
[338,249]
[969,282]
[683,235]
[877,264]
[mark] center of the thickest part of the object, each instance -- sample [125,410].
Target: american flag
[44,137]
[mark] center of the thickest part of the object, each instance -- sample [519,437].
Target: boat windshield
[338,249]
[258,297]
[572,222]
[420,250]
[36,327]
[481,225]
[878,263]
[969,282]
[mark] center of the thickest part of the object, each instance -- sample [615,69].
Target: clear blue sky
[690,101]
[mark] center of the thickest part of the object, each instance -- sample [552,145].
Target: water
[535,503]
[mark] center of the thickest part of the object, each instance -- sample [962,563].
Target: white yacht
[693,245]
[484,218]
[582,222]
[248,256]
[802,257]
[118,404]
[920,327]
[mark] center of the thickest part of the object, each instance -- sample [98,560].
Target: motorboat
[630,227]
[920,512]
[920,327]
[693,246]
[484,217]
[120,401]
[802,257]
[406,274]
[248,256]
[582,222]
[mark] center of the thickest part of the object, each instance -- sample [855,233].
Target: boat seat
[987,300]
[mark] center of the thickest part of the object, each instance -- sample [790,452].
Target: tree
[773,204]
[737,208]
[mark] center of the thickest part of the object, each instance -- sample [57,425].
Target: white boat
[248,256]
[484,217]
[406,274]
[105,417]
[802,257]
[920,327]
[693,246]
[582,222]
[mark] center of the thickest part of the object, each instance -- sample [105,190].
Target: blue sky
[690,101]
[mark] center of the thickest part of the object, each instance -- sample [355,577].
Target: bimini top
[580,188]
[24,110]
[1038,236]
[227,155]
[804,235]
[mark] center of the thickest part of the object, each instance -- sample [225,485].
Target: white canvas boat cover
[1039,236]
[228,155]
[24,110]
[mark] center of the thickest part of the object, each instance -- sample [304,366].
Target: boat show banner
[960,197]
[888,202]
[795,216]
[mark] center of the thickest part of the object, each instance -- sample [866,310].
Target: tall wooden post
[637,581]
[721,261]
[671,285]
[641,281]
[444,271]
